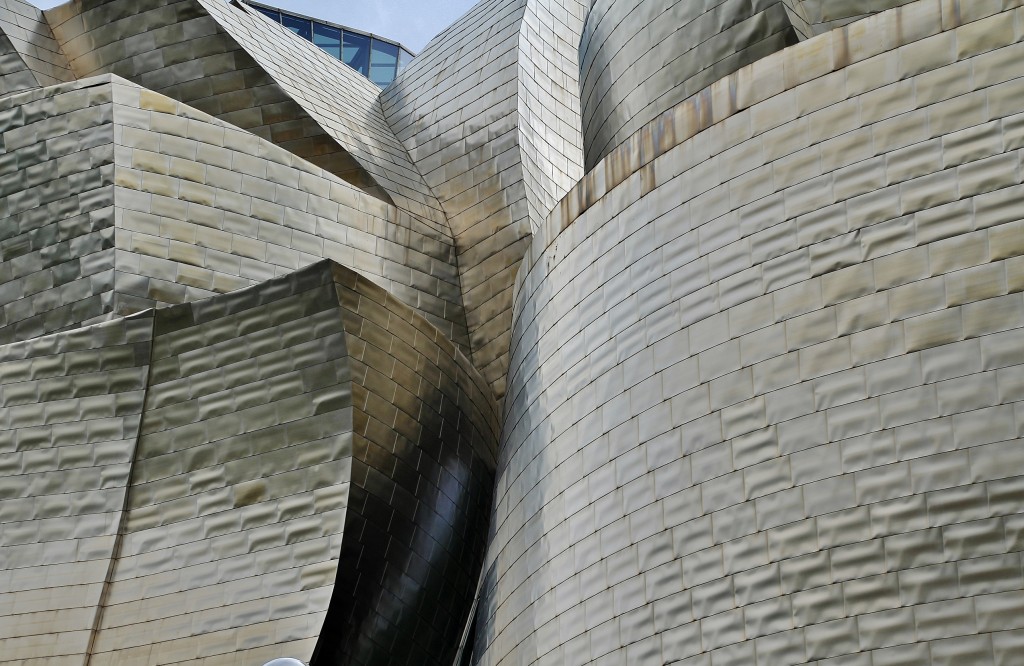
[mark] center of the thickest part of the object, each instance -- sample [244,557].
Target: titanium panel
[639,58]
[29,46]
[305,460]
[176,48]
[489,114]
[763,400]
[70,407]
[157,203]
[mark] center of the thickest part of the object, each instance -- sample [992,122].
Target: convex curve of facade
[632,331]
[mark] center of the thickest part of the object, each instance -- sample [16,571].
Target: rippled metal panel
[56,209]
[341,101]
[424,443]
[766,380]
[175,47]
[488,112]
[31,57]
[639,58]
[312,476]
[236,512]
[154,202]
[70,407]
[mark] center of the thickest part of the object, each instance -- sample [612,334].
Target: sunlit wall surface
[377,59]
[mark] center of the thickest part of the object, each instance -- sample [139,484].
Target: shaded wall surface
[302,467]
[118,198]
[639,58]
[488,112]
[765,384]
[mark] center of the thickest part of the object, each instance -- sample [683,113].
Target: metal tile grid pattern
[766,400]
[474,116]
[70,407]
[56,208]
[425,440]
[829,14]
[199,207]
[32,42]
[175,47]
[223,200]
[240,483]
[310,422]
[341,101]
[549,103]
[639,58]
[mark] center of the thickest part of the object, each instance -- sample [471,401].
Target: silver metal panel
[756,411]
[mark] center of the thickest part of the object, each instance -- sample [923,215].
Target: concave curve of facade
[764,398]
[765,386]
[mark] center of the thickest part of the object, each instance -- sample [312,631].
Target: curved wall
[639,58]
[488,112]
[140,200]
[177,48]
[303,467]
[765,399]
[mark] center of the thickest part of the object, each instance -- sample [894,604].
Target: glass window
[383,60]
[273,14]
[404,58]
[327,38]
[356,52]
[299,26]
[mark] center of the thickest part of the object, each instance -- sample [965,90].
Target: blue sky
[411,22]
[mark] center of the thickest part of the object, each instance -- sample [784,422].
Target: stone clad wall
[766,381]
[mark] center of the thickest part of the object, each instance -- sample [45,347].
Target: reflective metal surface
[764,401]
[766,392]
[489,112]
[639,58]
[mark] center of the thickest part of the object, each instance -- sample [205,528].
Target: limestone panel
[70,407]
[154,202]
[764,402]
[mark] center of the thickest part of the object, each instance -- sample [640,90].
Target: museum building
[599,332]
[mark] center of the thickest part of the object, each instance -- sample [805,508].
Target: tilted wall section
[70,408]
[119,198]
[31,56]
[240,483]
[766,393]
[177,48]
[639,58]
[304,467]
[488,114]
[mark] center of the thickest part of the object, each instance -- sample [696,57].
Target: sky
[411,22]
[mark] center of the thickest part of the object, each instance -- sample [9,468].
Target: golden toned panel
[175,47]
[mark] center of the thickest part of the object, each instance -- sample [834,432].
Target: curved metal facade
[765,385]
[765,388]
